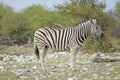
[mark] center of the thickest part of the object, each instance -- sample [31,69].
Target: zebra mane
[86,21]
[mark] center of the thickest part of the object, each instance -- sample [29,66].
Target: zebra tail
[36,51]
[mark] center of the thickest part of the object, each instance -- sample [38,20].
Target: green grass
[16,50]
[7,76]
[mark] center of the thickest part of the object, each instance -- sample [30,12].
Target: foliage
[106,45]
[4,10]
[116,25]
[118,8]
[16,27]
[82,10]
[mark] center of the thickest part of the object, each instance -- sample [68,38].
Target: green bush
[106,45]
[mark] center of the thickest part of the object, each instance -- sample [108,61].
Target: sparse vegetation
[27,67]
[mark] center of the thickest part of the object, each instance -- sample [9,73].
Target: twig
[59,25]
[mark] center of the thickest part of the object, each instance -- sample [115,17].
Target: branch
[59,25]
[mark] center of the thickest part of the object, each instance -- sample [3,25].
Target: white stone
[36,78]
[95,57]
[108,73]
[108,65]
[20,59]
[72,78]
[34,67]
[14,66]
[95,76]
[6,58]
[1,68]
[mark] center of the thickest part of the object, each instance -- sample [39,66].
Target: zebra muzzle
[100,37]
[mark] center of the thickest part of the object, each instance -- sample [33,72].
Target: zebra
[71,38]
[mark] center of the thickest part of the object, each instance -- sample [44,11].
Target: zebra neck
[82,35]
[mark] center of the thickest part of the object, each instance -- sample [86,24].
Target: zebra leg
[73,57]
[42,57]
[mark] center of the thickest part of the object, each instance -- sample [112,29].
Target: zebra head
[96,29]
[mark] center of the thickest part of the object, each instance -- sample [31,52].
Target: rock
[6,58]
[20,59]
[108,65]
[1,68]
[108,73]
[72,78]
[1,57]
[95,57]
[1,62]
[14,66]
[22,78]
[95,76]
[85,69]
[36,78]
[34,67]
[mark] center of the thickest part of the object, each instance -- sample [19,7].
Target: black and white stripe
[54,38]
[64,39]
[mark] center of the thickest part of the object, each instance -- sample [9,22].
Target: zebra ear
[93,20]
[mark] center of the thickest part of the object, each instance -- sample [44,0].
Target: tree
[4,10]
[118,13]
[117,19]
[16,27]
